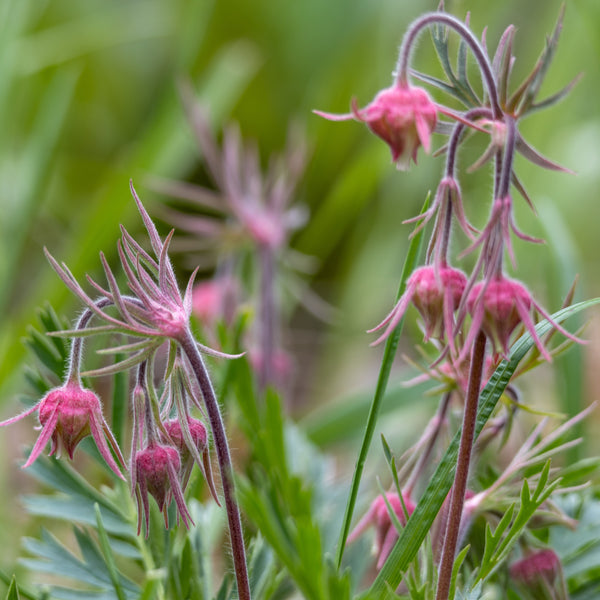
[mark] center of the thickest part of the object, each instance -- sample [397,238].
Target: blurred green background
[88,100]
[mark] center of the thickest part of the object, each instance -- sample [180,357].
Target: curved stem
[457,499]
[509,154]
[77,345]
[467,35]
[474,113]
[188,345]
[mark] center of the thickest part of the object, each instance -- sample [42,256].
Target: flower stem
[467,35]
[188,345]
[462,468]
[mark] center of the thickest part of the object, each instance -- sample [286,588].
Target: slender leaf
[389,352]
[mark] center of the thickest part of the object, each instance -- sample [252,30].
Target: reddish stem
[457,499]
[188,345]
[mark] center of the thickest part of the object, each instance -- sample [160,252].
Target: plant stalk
[457,499]
[188,345]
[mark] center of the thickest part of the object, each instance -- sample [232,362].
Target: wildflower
[543,563]
[155,470]
[402,116]
[436,293]
[498,306]
[67,415]
[193,447]
[378,515]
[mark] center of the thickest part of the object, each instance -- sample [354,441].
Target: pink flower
[543,564]
[402,116]
[498,306]
[155,470]
[436,293]
[67,415]
[378,515]
[193,447]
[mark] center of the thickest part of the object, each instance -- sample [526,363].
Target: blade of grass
[412,257]
[422,518]
[108,555]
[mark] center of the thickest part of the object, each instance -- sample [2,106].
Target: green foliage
[88,100]
[13,591]
[499,544]
[429,505]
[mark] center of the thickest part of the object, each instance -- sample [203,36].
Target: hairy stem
[467,35]
[77,344]
[188,345]
[457,499]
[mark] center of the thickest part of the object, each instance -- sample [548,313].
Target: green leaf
[54,558]
[391,344]
[108,554]
[458,561]
[13,590]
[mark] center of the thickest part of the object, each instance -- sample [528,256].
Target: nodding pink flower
[67,415]
[499,306]
[155,470]
[403,116]
[193,447]
[378,516]
[436,292]
[540,565]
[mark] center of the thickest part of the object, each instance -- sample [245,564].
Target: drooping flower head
[192,445]
[436,293]
[67,415]
[403,116]
[537,566]
[155,470]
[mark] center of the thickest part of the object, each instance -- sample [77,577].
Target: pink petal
[44,437]
[333,117]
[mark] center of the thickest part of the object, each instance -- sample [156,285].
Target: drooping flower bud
[538,572]
[401,115]
[67,415]
[436,293]
[156,471]
[501,304]
[437,296]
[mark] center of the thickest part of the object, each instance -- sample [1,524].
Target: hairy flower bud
[436,292]
[540,565]
[156,471]
[437,296]
[402,116]
[67,415]
[503,304]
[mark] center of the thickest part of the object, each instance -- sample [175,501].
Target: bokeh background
[88,100]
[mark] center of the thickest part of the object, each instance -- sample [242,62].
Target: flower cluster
[168,437]
[472,318]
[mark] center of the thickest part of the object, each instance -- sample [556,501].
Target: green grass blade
[391,345]
[422,518]
[108,555]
